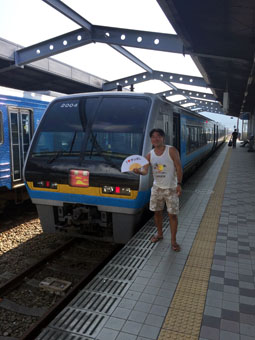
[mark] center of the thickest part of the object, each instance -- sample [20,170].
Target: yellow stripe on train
[90,191]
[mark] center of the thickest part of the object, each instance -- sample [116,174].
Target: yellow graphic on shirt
[160,167]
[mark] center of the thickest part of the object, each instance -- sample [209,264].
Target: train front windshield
[99,128]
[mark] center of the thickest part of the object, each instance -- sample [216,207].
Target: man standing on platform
[234,137]
[166,189]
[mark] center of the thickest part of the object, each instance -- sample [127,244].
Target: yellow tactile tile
[203,252]
[196,273]
[189,302]
[166,334]
[207,231]
[203,244]
[192,286]
[183,322]
[197,261]
[207,235]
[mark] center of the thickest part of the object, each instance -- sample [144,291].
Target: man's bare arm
[174,153]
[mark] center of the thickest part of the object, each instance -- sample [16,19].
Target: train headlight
[45,184]
[108,190]
[112,190]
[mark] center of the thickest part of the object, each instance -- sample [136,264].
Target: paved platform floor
[206,291]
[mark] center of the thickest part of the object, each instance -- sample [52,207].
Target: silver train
[73,169]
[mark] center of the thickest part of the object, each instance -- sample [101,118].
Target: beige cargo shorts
[160,197]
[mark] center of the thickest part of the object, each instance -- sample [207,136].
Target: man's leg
[158,218]
[157,205]
[173,219]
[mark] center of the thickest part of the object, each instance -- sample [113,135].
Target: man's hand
[179,190]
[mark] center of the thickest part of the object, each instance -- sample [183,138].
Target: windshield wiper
[101,152]
[74,137]
[92,146]
[56,156]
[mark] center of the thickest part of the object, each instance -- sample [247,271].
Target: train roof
[128,93]
[6,91]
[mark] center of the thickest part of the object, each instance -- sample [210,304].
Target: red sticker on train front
[79,178]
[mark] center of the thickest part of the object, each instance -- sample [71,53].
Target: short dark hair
[160,131]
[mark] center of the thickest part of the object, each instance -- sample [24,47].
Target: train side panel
[19,118]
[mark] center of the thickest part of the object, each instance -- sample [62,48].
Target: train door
[166,128]
[215,135]
[20,137]
[176,131]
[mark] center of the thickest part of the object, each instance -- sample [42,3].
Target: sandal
[156,238]
[176,247]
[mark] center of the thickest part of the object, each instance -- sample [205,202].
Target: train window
[63,127]
[118,128]
[93,126]
[196,137]
[1,128]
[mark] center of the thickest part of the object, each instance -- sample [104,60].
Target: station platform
[205,291]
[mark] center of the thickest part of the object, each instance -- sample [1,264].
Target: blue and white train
[20,113]
[73,169]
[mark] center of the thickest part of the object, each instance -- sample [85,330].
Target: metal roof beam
[163,76]
[73,40]
[204,109]
[69,13]
[179,78]
[52,46]
[122,36]
[200,102]
[135,79]
[140,39]
[133,58]
[185,92]
[202,106]
[125,37]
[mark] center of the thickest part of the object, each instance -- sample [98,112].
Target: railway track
[29,300]
[15,214]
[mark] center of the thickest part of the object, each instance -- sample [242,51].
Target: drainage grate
[53,334]
[95,302]
[144,235]
[108,286]
[138,252]
[147,228]
[118,273]
[128,261]
[79,322]
[140,243]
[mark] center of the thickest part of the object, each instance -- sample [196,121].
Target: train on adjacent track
[73,169]
[20,113]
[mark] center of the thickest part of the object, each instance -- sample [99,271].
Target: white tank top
[163,169]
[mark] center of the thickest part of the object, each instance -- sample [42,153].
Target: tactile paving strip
[195,261]
[190,286]
[183,321]
[180,320]
[196,273]
[166,334]
[189,302]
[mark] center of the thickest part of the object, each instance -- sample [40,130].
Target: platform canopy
[218,36]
